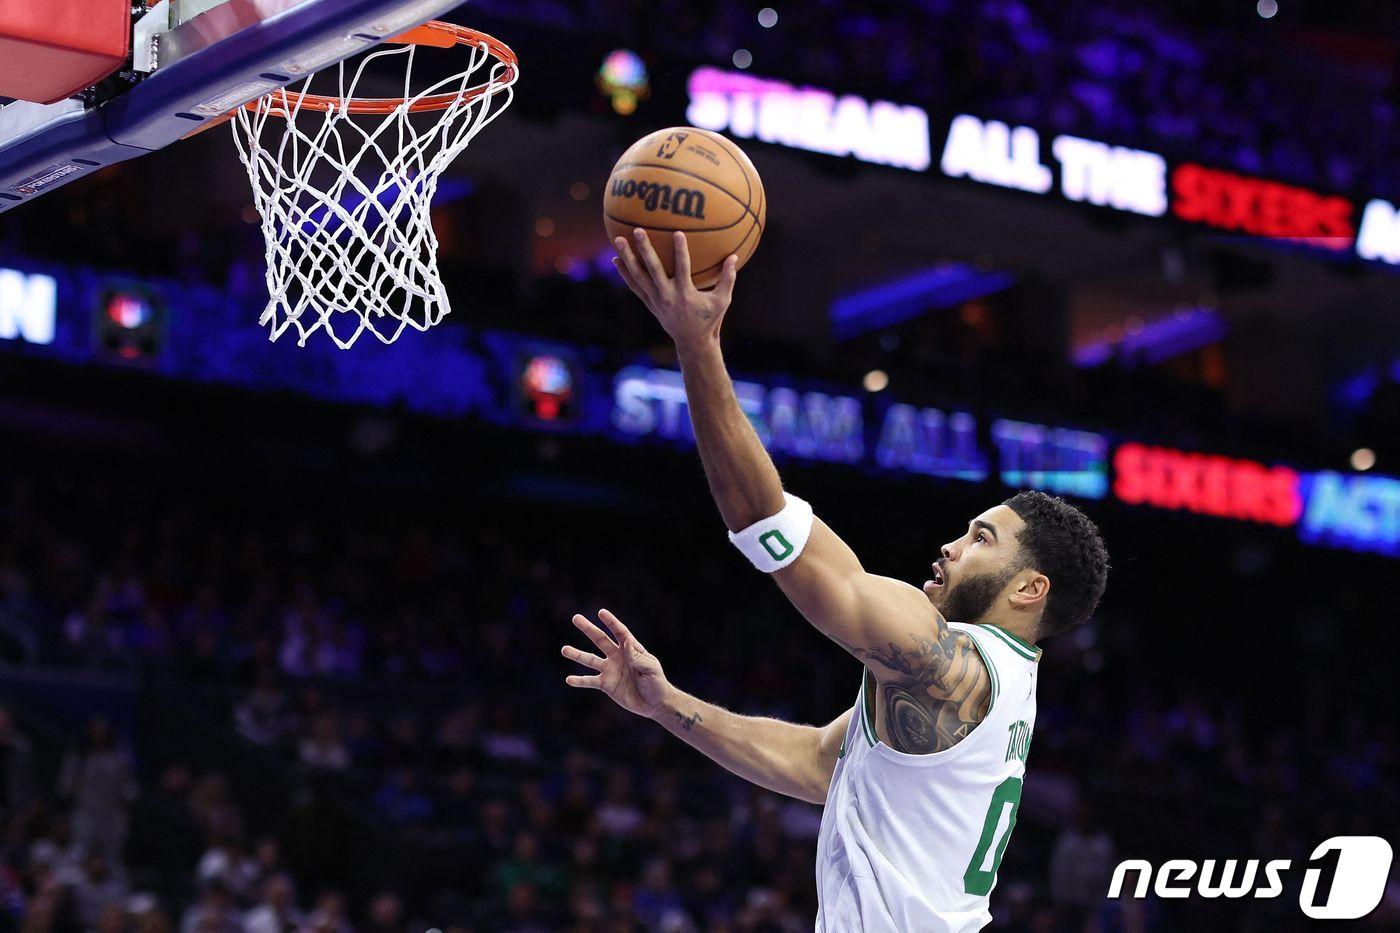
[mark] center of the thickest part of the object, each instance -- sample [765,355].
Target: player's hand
[627,672]
[688,314]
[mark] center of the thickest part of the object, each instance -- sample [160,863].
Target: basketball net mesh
[345,200]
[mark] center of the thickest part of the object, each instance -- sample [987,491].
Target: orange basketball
[687,179]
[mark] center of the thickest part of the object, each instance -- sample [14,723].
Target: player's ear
[1032,590]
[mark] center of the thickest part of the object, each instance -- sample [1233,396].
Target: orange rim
[435,33]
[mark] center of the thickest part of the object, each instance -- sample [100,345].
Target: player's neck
[1012,623]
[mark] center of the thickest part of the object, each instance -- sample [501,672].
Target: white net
[345,197]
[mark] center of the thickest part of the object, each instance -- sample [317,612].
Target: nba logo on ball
[691,180]
[672,143]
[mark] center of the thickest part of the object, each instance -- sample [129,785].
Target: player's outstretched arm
[827,583]
[742,478]
[933,685]
[780,756]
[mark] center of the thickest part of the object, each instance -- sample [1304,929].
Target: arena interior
[281,624]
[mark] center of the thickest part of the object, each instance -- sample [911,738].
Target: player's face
[976,568]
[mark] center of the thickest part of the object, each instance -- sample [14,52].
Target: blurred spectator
[276,909]
[57,851]
[148,917]
[402,801]
[520,913]
[227,863]
[17,779]
[493,800]
[1081,866]
[329,915]
[262,717]
[385,914]
[98,888]
[525,867]
[618,814]
[657,903]
[324,748]
[113,918]
[98,779]
[214,912]
[267,859]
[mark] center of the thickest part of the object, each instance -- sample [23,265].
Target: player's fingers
[614,623]
[592,681]
[650,260]
[629,280]
[582,657]
[640,281]
[596,635]
[724,288]
[682,251]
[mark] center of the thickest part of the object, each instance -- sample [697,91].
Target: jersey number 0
[981,872]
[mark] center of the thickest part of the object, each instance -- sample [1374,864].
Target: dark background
[337,661]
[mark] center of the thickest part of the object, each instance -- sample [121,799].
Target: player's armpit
[931,692]
[833,734]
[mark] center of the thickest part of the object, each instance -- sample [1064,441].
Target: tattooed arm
[932,685]
[932,681]
[783,757]
[931,692]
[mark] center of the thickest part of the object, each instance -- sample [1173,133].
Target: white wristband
[772,543]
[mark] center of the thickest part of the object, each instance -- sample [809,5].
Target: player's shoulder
[997,641]
[1011,663]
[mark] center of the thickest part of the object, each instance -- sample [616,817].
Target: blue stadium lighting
[1059,460]
[807,425]
[1353,392]
[1359,513]
[28,306]
[932,442]
[943,286]
[1157,340]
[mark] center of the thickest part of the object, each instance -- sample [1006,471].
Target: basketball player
[921,778]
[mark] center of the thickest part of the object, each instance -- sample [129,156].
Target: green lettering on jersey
[981,874]
[1018,743]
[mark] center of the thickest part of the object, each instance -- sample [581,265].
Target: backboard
[192,61]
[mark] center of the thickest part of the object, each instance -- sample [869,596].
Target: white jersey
[911,843]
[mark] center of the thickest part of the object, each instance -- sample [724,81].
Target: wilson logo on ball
[683,202]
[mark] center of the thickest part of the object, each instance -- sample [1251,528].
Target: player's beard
[973,597]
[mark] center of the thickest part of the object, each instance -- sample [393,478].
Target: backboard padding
[226,54]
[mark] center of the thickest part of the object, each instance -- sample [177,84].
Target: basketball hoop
[345,188]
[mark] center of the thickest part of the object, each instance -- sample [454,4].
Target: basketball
[683,178]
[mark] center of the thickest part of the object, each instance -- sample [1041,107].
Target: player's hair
[1064,544]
